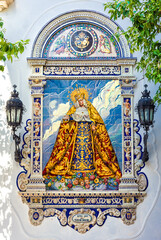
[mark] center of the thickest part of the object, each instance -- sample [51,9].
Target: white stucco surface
[24,20]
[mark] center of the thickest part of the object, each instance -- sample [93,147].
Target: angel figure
[104,44]
[60,45]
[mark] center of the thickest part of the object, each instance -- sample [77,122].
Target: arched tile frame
[94,206]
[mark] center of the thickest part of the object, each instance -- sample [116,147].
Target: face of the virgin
[80,101]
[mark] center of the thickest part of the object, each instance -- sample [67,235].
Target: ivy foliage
[143,34]
[9,50]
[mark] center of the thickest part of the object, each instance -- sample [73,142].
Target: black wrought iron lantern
[145,110]
[14,111]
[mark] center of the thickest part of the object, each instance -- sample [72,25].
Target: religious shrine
[81,150]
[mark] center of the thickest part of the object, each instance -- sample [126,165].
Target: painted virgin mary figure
[83,143]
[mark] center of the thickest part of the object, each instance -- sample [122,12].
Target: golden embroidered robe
[63,157]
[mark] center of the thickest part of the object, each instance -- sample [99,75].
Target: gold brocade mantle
[104,158]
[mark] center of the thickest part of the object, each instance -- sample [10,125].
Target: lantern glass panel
[13,115]
[18,115]
[147,115]
[8,116]
[151,114]
[141,115]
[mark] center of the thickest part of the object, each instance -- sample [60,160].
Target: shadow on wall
[5,164]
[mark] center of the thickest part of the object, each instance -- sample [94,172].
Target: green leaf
[145,17]
[9,50]
[1,23]
[1,68]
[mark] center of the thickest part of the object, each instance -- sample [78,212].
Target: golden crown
[79,94]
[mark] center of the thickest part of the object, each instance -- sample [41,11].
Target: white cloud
[60,111]
[107,98]
[57,113]
[51,130]
[52,104]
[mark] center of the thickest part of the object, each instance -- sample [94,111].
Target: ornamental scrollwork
[101,216]
[141,177]
[22,179]
[26,150]
[137,147]
[60,214]
[142,182]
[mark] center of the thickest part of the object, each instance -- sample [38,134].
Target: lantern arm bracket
[145,157]
[17,140]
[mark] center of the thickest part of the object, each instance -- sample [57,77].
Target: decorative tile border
[85,71]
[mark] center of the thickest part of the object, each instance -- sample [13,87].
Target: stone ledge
[83,194]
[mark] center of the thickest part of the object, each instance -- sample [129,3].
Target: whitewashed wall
[23,20]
